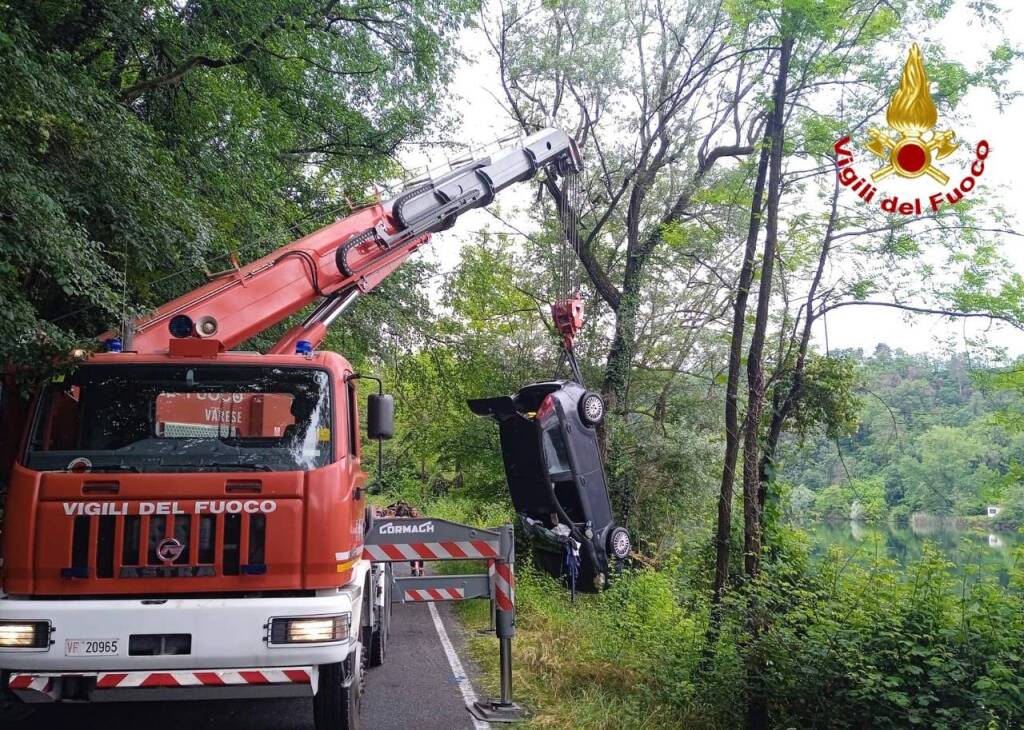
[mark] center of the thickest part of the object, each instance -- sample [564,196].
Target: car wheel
[591,408]
[619,543]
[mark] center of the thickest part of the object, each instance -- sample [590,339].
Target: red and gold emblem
[912,115]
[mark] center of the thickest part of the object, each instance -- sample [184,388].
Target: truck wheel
[335,706]
[13,711]
[382,626]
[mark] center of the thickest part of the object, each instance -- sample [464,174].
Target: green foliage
[82,180]
[829,402]
[833,503]
[931,436]
[885,650]
[623,658]
[868,499]
[948,474]
[466,510]
[841,644]
[140,140]
[1012,502]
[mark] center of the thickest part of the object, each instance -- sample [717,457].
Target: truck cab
[188,524]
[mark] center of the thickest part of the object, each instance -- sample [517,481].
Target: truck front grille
[127,546]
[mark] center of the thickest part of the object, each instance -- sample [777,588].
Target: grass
[609,661]
[565,668]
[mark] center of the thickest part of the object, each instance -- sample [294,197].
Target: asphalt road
[416,688]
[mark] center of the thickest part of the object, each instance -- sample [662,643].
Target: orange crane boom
[349,257]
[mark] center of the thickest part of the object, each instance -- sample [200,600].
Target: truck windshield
[177,418]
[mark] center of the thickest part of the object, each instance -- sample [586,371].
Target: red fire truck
[187,520]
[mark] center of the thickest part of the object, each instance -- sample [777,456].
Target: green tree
[868,499]
[833,503]
[144,139]
[946,474]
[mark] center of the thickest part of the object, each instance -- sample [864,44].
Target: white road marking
[465,687]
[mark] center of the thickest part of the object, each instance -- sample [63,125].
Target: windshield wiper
[241,466]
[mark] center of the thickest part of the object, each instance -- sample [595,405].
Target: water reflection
[975,552]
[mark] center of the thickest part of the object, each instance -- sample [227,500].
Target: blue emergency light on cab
[181,326]
[304,347]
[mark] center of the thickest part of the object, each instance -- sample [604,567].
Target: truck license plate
[91,647]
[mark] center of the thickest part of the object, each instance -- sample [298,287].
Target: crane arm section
[353,255]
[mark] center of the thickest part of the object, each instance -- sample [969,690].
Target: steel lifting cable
[568,256]
[568,234]
[574,231]
[563,206]
[567,245]
[566,248]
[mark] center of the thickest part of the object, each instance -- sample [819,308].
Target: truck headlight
[24,634]
[310,630]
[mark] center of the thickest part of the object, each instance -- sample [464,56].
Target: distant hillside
[932,437]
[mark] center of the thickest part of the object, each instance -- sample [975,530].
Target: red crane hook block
[568,316]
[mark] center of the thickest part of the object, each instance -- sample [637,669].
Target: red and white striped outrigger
[434,594]
[401,539]
[462,550]
[43,687]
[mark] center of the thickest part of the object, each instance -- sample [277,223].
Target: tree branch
[926,310]
[179,72]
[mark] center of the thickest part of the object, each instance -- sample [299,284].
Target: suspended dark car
[556,478]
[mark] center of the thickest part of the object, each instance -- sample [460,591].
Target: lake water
[991,552]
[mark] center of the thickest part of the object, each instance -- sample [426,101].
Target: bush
[853,646]
[829,644]
[900,514]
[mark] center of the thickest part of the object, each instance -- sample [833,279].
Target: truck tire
[382,626]
[11,708]
[335,706]
[13,711]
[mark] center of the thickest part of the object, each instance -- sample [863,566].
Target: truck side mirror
[380,416]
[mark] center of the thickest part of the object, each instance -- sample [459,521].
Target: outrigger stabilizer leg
[502,709]
[401,539]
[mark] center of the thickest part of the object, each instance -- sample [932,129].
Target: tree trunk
[782,406]
[757,701]
[755,355]
[620,354]
[732,427]
[613,389]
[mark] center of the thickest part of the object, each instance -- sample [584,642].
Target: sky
[481,120]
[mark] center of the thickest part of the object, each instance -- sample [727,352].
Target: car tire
[591,408]
[619,543]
